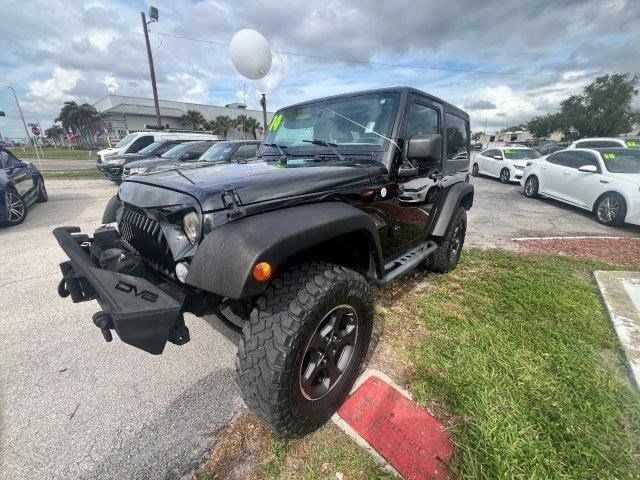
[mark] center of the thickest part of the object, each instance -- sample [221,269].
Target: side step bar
[407,262]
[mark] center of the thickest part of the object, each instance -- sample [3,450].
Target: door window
[422,120]
[140,143]
[457,138]
[197,151]
[585,158]
[245,152]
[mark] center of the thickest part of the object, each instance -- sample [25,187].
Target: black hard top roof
[400,89]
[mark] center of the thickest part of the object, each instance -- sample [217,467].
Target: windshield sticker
[508,152]
[608,156]
[633,144]
[275,123]
[370,126]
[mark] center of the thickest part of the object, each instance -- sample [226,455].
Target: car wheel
[474,170]
[505,175]
[531,187]
[303,347]
[43,196]
[16,208]
[447,255]
[611,209]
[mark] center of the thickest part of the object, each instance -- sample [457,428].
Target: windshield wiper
[324,143]
[281,149]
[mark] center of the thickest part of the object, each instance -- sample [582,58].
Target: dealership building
[121,115]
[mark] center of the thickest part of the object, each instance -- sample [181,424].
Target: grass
[72,174]
[55,153]
[519,355]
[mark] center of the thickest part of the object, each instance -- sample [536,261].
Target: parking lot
[76,407]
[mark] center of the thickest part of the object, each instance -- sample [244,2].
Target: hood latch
[232,202]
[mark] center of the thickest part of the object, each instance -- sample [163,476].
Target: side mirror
[184,156]
[588,169]
[425,148]
[498,157]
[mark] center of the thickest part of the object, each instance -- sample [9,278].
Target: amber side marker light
[262,271]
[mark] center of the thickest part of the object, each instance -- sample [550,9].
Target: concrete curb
[573,237]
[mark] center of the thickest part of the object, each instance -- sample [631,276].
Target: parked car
[505,163]
[134,142]
[178,155]
[113,167]
[21,184]
[605,181]
[419,190]
[231,151]
[551,147]
[606,142]
[288,242]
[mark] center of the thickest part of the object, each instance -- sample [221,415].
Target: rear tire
[306,317]
[611,209]
[531,187]
[446,257]
[505,175]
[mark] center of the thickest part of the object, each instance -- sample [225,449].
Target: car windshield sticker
[509,152]
[633,143]
[608,156]
[275,123]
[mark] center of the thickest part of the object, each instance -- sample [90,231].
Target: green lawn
[55,153]
[520,355]
[72,174]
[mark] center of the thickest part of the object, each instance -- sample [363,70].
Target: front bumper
[111,172]
[145,310]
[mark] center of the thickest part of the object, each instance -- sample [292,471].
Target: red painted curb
[412,440]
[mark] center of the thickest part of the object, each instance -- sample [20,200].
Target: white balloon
[250,54]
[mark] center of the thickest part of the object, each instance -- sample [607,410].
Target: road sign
[35,131]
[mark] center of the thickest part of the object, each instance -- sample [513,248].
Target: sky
[57,50]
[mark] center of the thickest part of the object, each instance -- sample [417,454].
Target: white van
[134,142]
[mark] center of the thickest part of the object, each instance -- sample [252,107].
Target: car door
[17,173]
[583,188]
[482,159]
[558,168]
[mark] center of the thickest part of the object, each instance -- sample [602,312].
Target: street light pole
[263,103]
[151,70]
[24,124]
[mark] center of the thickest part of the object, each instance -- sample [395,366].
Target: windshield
[520,153]
[216,153]
[125,141]
[151,148]
[621,160]
[175,151]
[362,121]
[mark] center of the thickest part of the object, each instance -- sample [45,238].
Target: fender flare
[111,210]
[450,199]
[225,258]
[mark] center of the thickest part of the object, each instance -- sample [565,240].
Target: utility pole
[153,14]
[263,103]
[24,124]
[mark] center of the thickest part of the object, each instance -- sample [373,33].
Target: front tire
[446,257]
[303,347]
[475,169]
[611,209]
[16,208]
[505,175]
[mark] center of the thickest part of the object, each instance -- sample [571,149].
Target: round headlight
[191,226]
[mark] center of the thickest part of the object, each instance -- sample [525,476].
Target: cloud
[481,105]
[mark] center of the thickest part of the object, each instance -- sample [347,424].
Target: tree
[476,136]
[221,125]
[513,128]
[78,119]
[247,124]
[193,119]
[55,133]
[603,109]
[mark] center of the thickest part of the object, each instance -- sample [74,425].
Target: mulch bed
[621,251]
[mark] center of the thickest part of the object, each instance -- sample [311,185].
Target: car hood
[627,177]
[147,161]
[108,151]
[256,181]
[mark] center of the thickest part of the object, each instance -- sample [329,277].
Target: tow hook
[103,321]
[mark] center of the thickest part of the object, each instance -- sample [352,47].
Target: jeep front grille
[145,235]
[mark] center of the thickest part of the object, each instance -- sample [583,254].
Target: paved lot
[72,406]
[64,165]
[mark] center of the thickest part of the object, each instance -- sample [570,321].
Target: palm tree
[221,125]
[193,119]
[78,119]
[245,123]
[55,133]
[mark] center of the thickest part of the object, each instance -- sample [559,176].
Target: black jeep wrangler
[284,246]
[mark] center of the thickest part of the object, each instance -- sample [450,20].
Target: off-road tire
[475,169]
[615,201]
[275,339]
[43,195]
[446,257]
[15,196]
[505,175]
[531,187]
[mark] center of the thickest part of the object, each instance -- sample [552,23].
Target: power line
[365,62]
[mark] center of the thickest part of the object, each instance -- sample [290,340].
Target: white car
[505,163]
[605,142]
[605,181]
[418,190]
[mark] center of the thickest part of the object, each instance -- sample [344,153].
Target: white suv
[604,142]
[605,181]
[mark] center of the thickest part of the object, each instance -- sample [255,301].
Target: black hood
[256,182]
[156,162]
[132,157]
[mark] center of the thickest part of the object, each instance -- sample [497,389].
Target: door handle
[543,167]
